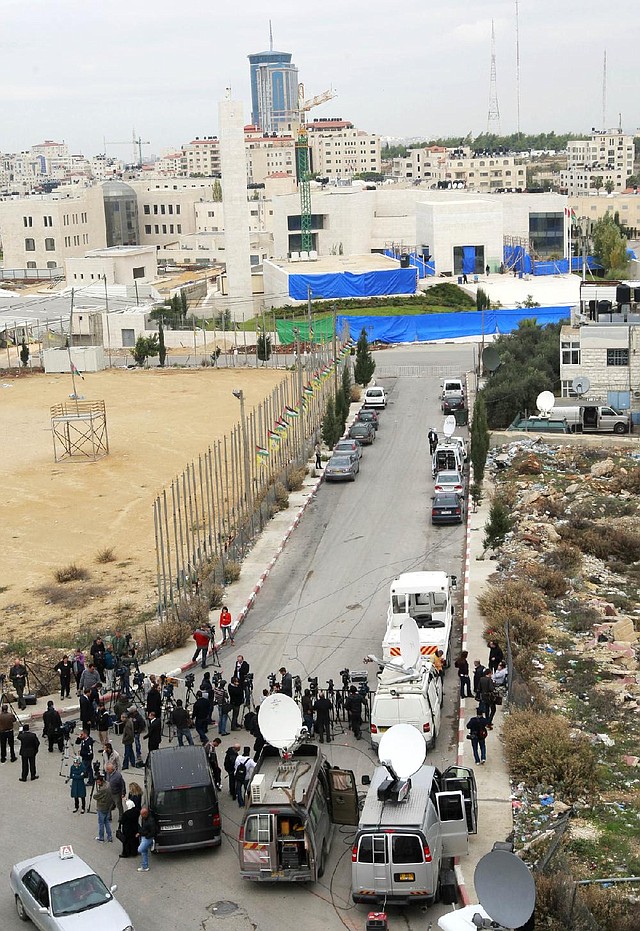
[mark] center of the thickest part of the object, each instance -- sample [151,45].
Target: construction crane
[302,163]
[136,142]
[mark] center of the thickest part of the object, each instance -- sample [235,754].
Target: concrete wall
[463,222]
[85,359]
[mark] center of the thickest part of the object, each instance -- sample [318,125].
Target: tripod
[64,762]
[167,727]
[248,704]
[337,727]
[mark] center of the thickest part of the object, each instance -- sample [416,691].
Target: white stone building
[339,150]
[606,159]
[117,264]
[437,167]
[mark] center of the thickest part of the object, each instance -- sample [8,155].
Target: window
[50,245]
[48,221]
[570,352]
[138,272]
[406,848]
[30,245]
[164,227]
[155,209]
[258,829]
[372,849]
[566,387]
[162,209]
[157,228]
[147,209]
[128,338]
[147,229]
[170,208]
[28,221]
[31,265]
[617,357]
[52,265]
[177,208]
[179,228]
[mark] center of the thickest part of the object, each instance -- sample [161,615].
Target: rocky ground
[574,552]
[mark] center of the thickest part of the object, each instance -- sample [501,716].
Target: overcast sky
[80,71]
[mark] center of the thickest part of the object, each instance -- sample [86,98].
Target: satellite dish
[491,359]
[403,748]
[581,385]
[449,425]
[279,720]
[545,402]
[505,887]
[409,642]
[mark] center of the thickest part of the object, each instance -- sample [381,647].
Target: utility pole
[335,351]
[239,394]
[310,321]
[106,304]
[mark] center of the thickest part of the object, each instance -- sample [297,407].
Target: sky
[86,71]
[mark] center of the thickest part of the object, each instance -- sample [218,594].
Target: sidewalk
[494,790]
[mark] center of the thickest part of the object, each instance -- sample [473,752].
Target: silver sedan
[341,469]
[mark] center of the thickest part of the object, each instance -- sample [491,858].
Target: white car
[52,890]
[376,396]
[449,481]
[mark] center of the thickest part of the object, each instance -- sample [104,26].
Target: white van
[447,457]
[407,698]
[452,386]
[375,396]
[409,832]
[427,597]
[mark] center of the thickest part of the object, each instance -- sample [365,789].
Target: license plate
[171,827]
[407,877]
[445,512]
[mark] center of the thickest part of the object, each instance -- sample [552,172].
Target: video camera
[272,679]
[190,679]
[346,677]
[138,678]
[313,684]
[68,728]
[248,679]
[97,769]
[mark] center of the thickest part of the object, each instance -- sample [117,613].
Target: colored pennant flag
[308,390]
[76,372]
[261,451]
[274,438]
[291,411]
[282,426]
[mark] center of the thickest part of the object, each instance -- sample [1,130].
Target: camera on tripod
[68,728]
[138,678]
[190,679]
[313,684]
[271,679]
[96,769]
[248,679]
[346,677]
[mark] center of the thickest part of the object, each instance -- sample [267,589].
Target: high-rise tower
[274,89]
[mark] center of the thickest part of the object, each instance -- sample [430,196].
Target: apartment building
[339,151]
[166,207]
[439,167]
[603,162]
[203,156]
[268,154]
[43,230]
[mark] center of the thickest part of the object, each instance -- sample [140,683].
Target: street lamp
[239,394]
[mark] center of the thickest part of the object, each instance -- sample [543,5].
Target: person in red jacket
[202,638]
[225,624]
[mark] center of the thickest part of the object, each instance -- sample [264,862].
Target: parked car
[376,396]
[452,402]
[367,415]
[342,469]
[364,433]
[449,481]
[447,508]
[345,445]
[52,889]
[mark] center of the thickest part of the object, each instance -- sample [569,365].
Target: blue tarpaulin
[418,328]
[468,260]
[348,284]
[515,258]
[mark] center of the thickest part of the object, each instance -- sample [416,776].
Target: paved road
[322,608]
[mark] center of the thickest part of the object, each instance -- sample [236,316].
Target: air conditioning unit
[257,789]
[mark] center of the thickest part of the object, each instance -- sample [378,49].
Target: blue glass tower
[274,90]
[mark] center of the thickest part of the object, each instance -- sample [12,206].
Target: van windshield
[186,799]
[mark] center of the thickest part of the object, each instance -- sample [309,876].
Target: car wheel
[22,915]
[323,862]
[620,428]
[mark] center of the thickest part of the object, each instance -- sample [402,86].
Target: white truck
[427,597]
[407,696]
[594,418]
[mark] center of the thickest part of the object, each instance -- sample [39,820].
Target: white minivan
[375,396]
[403,698]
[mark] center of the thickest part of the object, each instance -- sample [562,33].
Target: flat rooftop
[332,264]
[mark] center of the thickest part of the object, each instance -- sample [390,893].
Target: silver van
[292,806]
[405,842]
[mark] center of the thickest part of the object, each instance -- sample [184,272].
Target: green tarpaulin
[290,330]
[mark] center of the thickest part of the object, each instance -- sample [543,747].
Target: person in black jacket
[52,727]
[322,708]
[353,706]
[29,746]
[496,656]
[18,677]
[181,722]
[478,672]
[146,834]
[87,711]
[154,734]
[129,828]
[236,699]
[462,665]
[230,767]
[286,682]
[85,752]
[64,669]
[200,715]
[154,699]
[98,649]
[242,669]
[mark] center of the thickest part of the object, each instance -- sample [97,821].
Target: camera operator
[353,705]
[286,682]
[110,662]
[85,751]
[202,637]
[200,714]
[236,699]
[52,727]
[221,699]
[7,737]
[18,676]
[182,724]
[307,710]
[103,723]
[120,644]
[322,708]
[154,699]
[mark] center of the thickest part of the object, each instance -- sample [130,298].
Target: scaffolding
[79,430]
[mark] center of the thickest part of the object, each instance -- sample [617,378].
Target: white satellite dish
[279,720]
[409,642]
[505,887]
[402,747]
[581,385]
[449,425]
[545,402]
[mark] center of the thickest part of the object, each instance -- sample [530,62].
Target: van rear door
[343,797]
[370,866]
[410,874]
[257,843]
[453,823]
[462,779]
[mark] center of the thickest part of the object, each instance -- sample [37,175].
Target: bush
[70,573]
[71,597]
[498,526]
[355,394]
[602,542]
[541,749]
[174,633]
[282,497]
[498,602]
[106,555]
[232,571]
[213,593]
[565,557]
[295,478]
[552,581]
[581,618]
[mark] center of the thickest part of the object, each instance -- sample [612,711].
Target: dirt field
[53,514]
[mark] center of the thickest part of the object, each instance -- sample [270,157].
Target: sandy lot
[53,514]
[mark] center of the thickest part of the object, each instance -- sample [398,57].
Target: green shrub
[281,496]
[499,524]
[174,632]
[70,573]
[232,571]
[565,558]
[541,749]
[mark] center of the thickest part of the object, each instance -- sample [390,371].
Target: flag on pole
[274,438]
[282,426]
[75,371]
[291,411]
[308,390]
[261,454]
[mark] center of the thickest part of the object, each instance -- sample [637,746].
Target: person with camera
[286,682]
[103,723]
[181,722]
[29,746]
[119,644]
[64,669]
[18,677]
[128,736]
[154,734]
[78,785]
[85,751]
[7,724]
[202,638]
[52,727]
[322,708]
[221,699]
[104,805]
[353,706]
[109,664]
[236,700]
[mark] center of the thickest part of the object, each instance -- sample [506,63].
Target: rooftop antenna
[270,37]
[493,116]
[604,93]
[518,68]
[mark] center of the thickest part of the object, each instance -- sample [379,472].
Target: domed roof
[117,189]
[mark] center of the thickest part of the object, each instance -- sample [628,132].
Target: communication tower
[493,116]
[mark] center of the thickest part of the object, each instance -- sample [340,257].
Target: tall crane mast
[302,163]
[137,144]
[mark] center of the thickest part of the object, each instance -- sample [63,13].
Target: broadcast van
[427,597]
[407,697]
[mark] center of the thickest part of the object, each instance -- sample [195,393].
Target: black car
[367,415]
[364,433]
[447,508]
[452,402]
